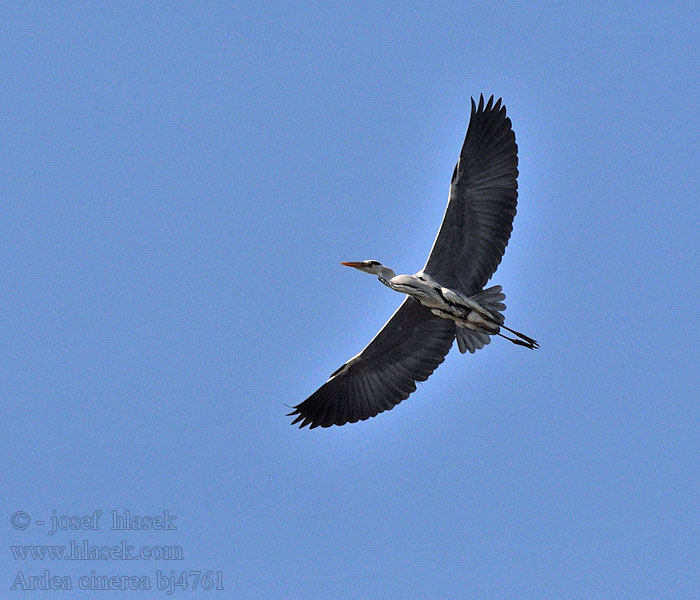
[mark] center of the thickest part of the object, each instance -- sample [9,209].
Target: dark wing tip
[298,414]
[304,416]
[487,105]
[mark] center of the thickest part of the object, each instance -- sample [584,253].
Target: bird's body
[477,317]
[446,299]
[442,301]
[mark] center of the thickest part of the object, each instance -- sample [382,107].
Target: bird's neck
[385,274]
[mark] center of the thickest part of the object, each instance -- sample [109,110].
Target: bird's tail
[492,300]
[470,339]
[490,305]
[487,307]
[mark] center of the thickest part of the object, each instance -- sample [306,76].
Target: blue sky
[180,184]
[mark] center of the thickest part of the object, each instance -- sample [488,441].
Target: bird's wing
[409,347]
[480,210]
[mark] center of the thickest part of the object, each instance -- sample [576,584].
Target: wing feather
[482,204]
[408,348]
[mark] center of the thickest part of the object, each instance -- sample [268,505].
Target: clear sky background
[179,184]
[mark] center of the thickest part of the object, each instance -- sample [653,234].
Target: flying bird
[446,299]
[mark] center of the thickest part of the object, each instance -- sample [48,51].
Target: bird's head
[371,266]
[368,266]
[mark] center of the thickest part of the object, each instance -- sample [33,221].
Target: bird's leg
[530,342]
[526,341]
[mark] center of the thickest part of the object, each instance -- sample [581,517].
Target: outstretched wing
[480,210]
[408,348]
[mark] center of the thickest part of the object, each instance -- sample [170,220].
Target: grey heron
[446,299]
